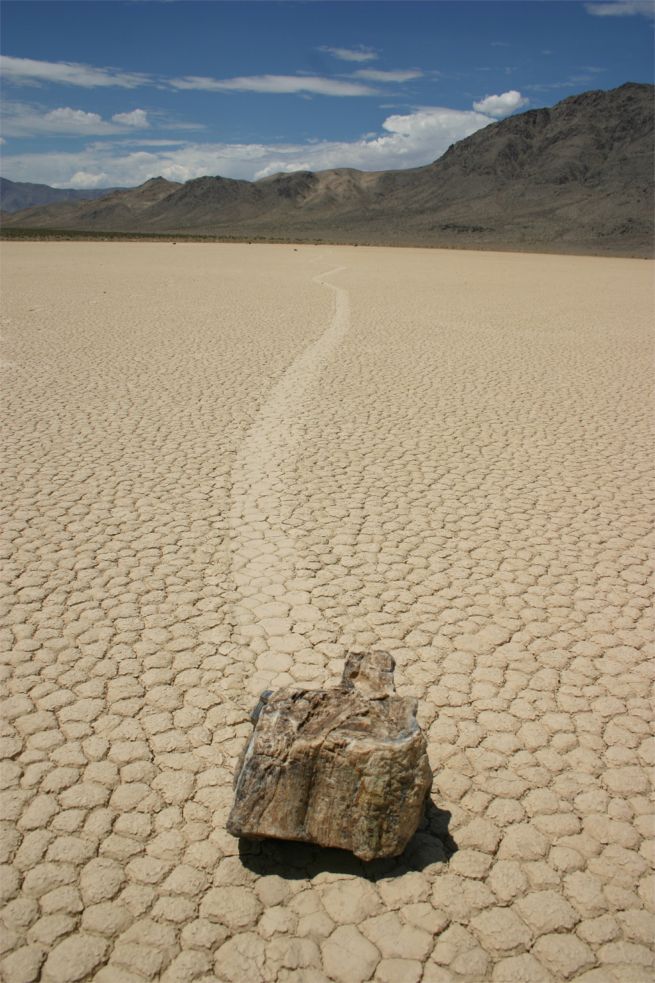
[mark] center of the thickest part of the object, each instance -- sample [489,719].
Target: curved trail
[273,612]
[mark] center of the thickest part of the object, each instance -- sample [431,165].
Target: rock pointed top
[370,673]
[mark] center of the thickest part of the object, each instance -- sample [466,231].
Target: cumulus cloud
[137,118]
[379,75]
[284,84]
[21,119]
[405,140]
[30,71]
[622,8]
[75,119]
[501,105]
[360,53]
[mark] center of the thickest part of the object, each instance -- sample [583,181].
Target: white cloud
[76,119]
[279,84]
[21,119]
[359,53]
[375,75]
[622,8]
[501,105]
[31,71]
[406,140]
[137,118]
[82,179]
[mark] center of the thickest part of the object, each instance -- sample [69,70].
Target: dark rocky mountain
[17,195]
[577,177]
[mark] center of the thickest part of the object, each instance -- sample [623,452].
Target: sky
[104,93]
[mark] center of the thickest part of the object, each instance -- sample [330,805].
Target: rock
[345,767]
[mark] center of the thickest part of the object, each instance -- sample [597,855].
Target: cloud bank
[405,140]
[24,120]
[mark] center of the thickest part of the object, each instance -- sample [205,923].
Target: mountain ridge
[18,195]
[577,176]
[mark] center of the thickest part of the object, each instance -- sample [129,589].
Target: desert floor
[228,465]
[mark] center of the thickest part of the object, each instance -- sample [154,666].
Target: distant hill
[16,195]
[576,177]
[113,210]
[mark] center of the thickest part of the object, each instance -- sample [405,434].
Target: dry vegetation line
[273,611]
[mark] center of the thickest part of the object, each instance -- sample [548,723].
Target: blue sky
[113,93]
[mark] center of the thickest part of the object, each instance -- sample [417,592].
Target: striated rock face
[345,767]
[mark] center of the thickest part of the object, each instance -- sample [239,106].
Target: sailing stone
[345,767]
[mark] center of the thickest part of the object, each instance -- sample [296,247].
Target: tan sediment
[458,471]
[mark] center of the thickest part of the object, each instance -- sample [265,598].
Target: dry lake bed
[226,466]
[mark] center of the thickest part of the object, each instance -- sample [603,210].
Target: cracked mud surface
[226,466]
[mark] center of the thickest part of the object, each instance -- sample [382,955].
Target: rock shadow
[431,844]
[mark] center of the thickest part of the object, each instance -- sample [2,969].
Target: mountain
[17,195]
[576,177]
[113,210]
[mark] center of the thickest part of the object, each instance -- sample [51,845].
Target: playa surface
[228,465]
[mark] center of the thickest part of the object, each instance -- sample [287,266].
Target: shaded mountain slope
[577,176]
[119,210]
[17,195]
